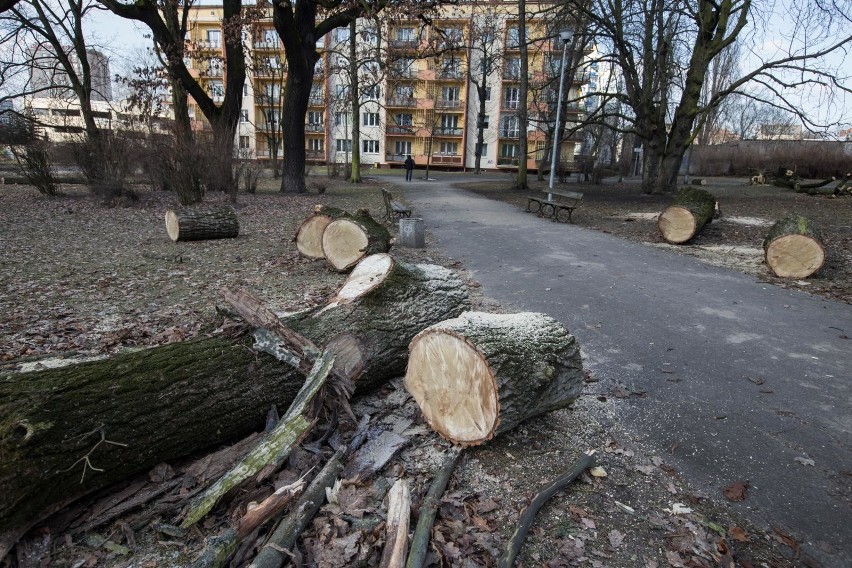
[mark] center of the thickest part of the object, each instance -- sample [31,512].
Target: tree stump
[482,374]
[308,237]
[793,248]
[201,224]
[350,238]
[692,209]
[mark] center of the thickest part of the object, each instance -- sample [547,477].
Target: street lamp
[565,36]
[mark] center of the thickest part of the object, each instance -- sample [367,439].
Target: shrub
[34,162]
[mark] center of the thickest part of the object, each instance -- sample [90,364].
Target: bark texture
[793,248]
[200,224]
[158,404]
[410,298]
[692,209]
[481,374]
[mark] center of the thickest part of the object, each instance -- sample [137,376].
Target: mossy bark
[124,415]
[411,298]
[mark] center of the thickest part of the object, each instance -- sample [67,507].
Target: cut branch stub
[480,374]
[202,224]
[347,240]
[309,233]
[692,209]
[793,248]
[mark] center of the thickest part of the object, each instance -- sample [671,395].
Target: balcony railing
[401,102]
[509,133]
[405,130]
[395,157]
[403,43]
[448,103]
[314,155]
[507,161]
[316,101]
[449,74]
[266,44]
[512,74]
[315,128]
[509,105]
[451,159]
[210,44]
[448,131]
[213,72]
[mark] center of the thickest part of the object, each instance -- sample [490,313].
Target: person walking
[409,168]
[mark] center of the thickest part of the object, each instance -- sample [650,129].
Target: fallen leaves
[737,491]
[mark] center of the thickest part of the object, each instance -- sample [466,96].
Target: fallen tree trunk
[376,313]
[482,374]
[692,209]
[350,238]
[68,431]
[171,401]
[201,224]
[793,248]
[308,237]
[817,188]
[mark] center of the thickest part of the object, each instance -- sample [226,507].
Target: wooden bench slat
[394,209]
[570,201]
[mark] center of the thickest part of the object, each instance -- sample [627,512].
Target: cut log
[379,309]
[175,400]
[793,248]
[347,240]
[65,432]
[482,374]
[201,224]
[699,181]
[309,233]
[692,209]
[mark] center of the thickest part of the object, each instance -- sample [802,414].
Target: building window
[371,92]
[341,34]
[449,93]
[244,115]
[449,121]
[217,89]
[214,38]
[512,38]
[370,146]
[245,89]
[449,148]
[370,119]
[341,118]
[402,147]
[315,117]
[343,145]
[244,143]
[405,34]
[487,93]
[316,144]
[483,149]
[512,96]
[404,119]
[341,91]
[485,121]
[509,151]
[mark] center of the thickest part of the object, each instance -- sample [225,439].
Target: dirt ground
[82,280]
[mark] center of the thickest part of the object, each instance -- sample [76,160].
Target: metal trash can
[412,233]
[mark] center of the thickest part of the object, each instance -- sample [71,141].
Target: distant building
[780,132]
[60,119]
[48,76]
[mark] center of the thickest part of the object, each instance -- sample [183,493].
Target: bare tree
[486,60]
[167,20]
[268,75]
[665,49]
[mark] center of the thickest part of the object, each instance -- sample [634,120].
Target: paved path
[697,338]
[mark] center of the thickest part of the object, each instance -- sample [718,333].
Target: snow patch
[643,216]
[750,221]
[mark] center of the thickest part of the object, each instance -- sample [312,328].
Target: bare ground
[82,280]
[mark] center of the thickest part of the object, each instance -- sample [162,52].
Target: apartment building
[421,101]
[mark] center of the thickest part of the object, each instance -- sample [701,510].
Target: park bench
[560,201]
[394,209]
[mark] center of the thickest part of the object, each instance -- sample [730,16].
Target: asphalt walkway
[744,380]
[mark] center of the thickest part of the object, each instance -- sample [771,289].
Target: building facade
[422,100]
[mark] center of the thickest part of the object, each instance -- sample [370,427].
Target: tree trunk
[355,167]
[523,139]
[692,209]
[308,237]
[481,374]
[201,224]
[68,431]
[793,248]
[387,302]
[350,238]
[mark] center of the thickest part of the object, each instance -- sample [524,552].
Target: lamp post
[566,36]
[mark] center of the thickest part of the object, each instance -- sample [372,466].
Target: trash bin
[412,233]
